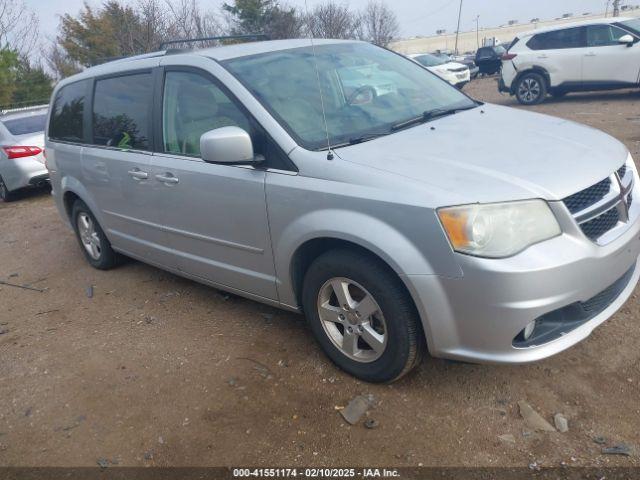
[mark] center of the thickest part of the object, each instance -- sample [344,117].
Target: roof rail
[257,37]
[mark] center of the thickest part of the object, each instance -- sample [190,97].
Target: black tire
[405,344]
[107,258]
[5,194]
[531,89]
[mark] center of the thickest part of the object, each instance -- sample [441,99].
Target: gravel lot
[158,370]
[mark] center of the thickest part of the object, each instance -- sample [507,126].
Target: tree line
[120,28]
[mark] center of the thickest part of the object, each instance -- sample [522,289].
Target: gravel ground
[158,370]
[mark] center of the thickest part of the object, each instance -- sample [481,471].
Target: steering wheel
[362,95]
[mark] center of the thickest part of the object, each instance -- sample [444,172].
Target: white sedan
[455,73]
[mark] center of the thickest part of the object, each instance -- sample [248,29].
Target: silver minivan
[349,183]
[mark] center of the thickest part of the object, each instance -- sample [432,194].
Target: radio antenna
[315,61]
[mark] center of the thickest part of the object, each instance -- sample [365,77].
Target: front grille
[589,196]
[597,227]
[622,171]
[459,69]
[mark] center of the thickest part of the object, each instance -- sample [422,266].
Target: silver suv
[257,169]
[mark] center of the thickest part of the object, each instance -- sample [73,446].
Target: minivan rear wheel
[94,243]
[5,194]
[362,316]
[531,89]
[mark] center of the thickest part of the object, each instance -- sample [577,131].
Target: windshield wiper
[361,139]
[428,115]
[367,136]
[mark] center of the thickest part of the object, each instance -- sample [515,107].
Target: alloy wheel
[529,90]
[352,319]
[89,236]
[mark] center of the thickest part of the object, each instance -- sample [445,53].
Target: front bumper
[478,317]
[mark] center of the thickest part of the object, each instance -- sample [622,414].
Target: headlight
[498,230]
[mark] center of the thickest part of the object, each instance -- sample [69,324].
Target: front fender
[364,230]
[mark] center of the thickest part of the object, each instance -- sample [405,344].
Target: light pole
[458,29]
[478,31]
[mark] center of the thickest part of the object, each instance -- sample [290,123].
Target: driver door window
[604,35]
[193,105]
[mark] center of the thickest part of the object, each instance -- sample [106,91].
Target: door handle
[542,56]
[590,54]
[138,174]
[167,179]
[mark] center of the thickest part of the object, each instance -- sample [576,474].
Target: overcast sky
[417,17]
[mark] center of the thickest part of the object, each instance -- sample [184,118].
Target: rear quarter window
[26,125]
[559,39]
[67,113]
[485,52]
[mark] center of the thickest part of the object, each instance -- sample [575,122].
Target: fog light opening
[528,331]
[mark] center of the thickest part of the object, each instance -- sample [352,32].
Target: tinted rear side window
[67,113]
[485,52]
[26,125]
[122,111]
[559,39]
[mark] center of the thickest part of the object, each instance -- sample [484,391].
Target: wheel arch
[533,69]
[311,249]
[73,190]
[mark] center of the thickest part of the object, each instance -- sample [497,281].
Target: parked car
[371,217]
[489,59]
[468,61]
[21,155]
[455,73]
[596,55]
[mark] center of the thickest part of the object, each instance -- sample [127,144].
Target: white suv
[595,55]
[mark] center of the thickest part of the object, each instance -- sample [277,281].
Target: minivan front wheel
[95,245]
[362,317]
[531,89]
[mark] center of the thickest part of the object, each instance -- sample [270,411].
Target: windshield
[26,125]
[633,25]
[366,91]
[429,60]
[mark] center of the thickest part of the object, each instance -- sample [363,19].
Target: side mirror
[627,40]
[227,145]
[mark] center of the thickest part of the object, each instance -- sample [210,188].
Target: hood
[500,155]
[449,66]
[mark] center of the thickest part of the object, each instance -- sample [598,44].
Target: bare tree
[379,23]
[153,25]
[18,26]
[332,20]
[185,19]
